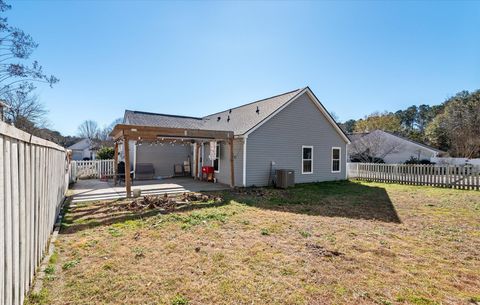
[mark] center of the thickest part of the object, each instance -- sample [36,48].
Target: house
[83,150]
[386,146]
[245,144]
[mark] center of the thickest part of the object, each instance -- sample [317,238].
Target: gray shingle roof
[161,120]
[239,119]
[358,135]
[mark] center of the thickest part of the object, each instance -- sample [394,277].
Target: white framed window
[216,161]
[336,157]
[307,159]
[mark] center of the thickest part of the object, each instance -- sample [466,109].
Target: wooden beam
[197,159]
[152,132]
[232,167]
[115,164]
[128,182]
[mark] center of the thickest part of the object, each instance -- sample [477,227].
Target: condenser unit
[285,178]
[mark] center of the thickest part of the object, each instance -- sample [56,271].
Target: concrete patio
[93,189]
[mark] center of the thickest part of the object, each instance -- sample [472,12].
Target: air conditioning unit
[285,178]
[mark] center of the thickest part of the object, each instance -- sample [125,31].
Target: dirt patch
[321,251]
[169,203]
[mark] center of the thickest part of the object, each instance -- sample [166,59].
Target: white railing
[33,182]
[451,176]
[95,169]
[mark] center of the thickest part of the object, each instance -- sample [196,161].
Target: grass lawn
[325,243]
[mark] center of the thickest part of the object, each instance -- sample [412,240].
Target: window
[216,161]
[335,159]
[307,159]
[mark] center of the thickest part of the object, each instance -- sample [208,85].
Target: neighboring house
[83,149]
[288,131]
[391,148]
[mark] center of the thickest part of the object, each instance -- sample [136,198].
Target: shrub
[362,158]
[414,160]
[264,232]
[105,153]
[179,300]
[70,264]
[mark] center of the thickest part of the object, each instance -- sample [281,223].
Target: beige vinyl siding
[281,138]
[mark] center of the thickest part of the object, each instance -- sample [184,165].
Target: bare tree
[16,47]
[89,129]
[24,109]
[104,133]
[373,146]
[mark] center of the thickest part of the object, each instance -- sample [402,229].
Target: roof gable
[358,136]
[82,144]
[242,120]
[410,141]
[319,106]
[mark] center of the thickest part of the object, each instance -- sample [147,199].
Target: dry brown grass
[326,243]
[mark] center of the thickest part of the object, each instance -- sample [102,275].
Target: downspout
[346,161]
[244,171]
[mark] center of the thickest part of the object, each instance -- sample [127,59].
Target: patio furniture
[177,170]
[121,173]
[186,168]
[144,171]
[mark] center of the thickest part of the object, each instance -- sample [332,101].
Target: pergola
[125,133]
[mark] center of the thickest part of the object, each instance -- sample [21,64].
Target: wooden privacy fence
[33,182]
[92,169]
[452,176]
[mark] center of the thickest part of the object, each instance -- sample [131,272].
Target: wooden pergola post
[128,182]
[232,167]
[115,164]
[197,160]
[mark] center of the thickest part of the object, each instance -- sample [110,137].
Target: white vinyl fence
[99,169]
[455,161]
[33,182]
[451,176]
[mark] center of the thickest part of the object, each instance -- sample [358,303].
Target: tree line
[452,126]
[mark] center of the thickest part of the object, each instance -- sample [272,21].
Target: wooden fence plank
[15,221]
[8,224]
[2,224]
[22,222]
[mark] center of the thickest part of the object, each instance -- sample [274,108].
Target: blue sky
[196,58]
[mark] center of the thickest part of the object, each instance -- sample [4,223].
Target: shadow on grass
[105,213]
[331,199]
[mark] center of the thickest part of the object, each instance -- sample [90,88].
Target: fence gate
[96,169]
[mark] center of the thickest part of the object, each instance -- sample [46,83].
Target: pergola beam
[126,132]
[151,132]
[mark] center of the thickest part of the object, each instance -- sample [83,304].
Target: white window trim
[311,147]
[339,160]
[218,157]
